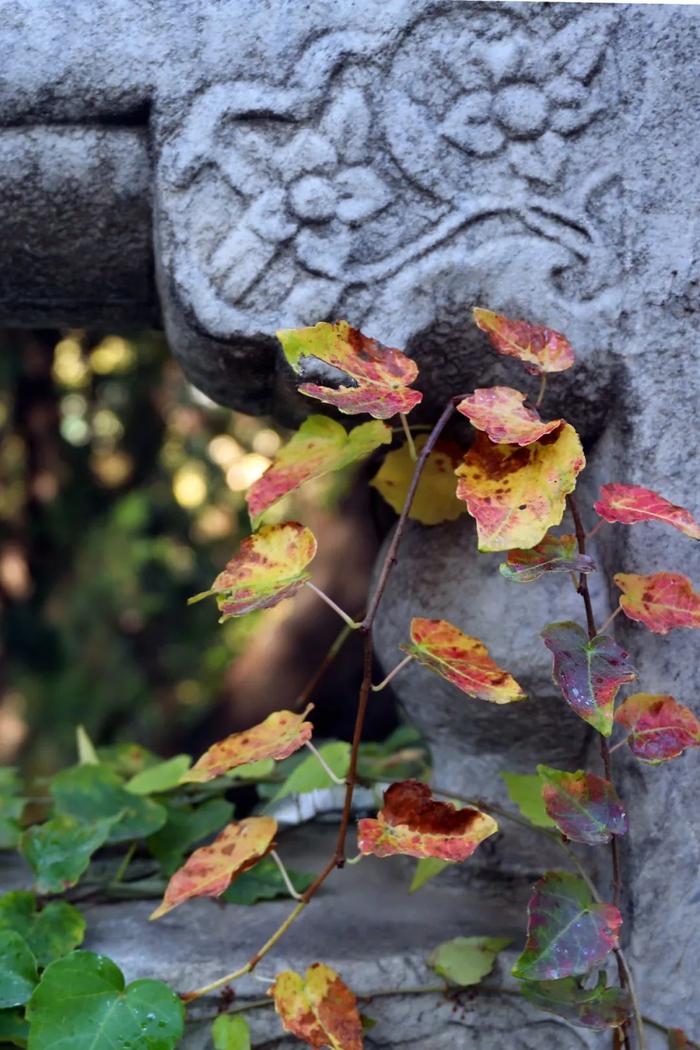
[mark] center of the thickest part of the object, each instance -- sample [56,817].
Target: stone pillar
[395,164]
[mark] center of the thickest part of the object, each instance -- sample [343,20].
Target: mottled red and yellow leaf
[516,493]
[269,566]
[435,499]
[661,602]
[280,735]
[412,823]
[568,933]
[585,807]
[381,375]
[659,727]
[320,446]
[588,672]
[462,660]
[211,869]
[501,412]
[553,554]
[318,1008]
[540,349]
[596,1008]
[629,504]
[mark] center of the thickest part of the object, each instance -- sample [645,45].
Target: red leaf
[280,735]
[381,374]
[319,1008]
[462,660]
[589,673]
[499,410]
[411,822]
[661,602]
[568,933]
[659,728]
[629,504]
[540,349]
[211,869]
[269,566]
[584,807]
[553,554]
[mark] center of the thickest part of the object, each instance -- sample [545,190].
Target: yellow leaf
[318,1008]
[435,499]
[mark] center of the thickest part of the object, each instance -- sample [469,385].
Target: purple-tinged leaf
[568,933]
[596,1008]
[659,727]
[553,554]
[584,807]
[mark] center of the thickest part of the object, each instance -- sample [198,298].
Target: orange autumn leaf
[462,660]
[318,1008]
[413,823]
[659,727]
[517,494]
[211,869]
[501,412]
[269,566]
[280,735]
[381,375]
[540,349]
[661,602]
[435,500]
[320,446]
[629,504]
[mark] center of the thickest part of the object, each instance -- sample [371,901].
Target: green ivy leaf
[426,869]
[596,1008]
[59,851]
[87,756]
[81,1003]
[162,777]
[13,1028]
[525,790]
[230,1032]
[18,974]
[263,882]
[91,793]
[309,775]
[11,808]
[185,827]
[50,933]
[127,759]
[466,960]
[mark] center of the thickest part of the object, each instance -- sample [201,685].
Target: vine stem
[336,608]
[392,674]
[338,858]
[623,969]
[326,662]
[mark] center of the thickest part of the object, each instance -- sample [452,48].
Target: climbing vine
[517,480]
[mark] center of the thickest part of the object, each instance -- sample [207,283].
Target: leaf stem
[620,743]
[285,875]
[322,762]
[122,869]
[610,619]
[543,387]
[596,528]
[392,674]
[336,608]
[409,437]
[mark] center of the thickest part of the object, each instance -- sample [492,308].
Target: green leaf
[59,851]
[309,775]
[163,777]
[596,1008]
[230,1032]
[17,969]
[568,932]
[261,770]
[91,793]
[184,828]
[525,790]
[50,933]
[263,882]
[465,960]
[127,759]
[426,869]
[11,808]
[82,1004]
[13,1028]
[87,756]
